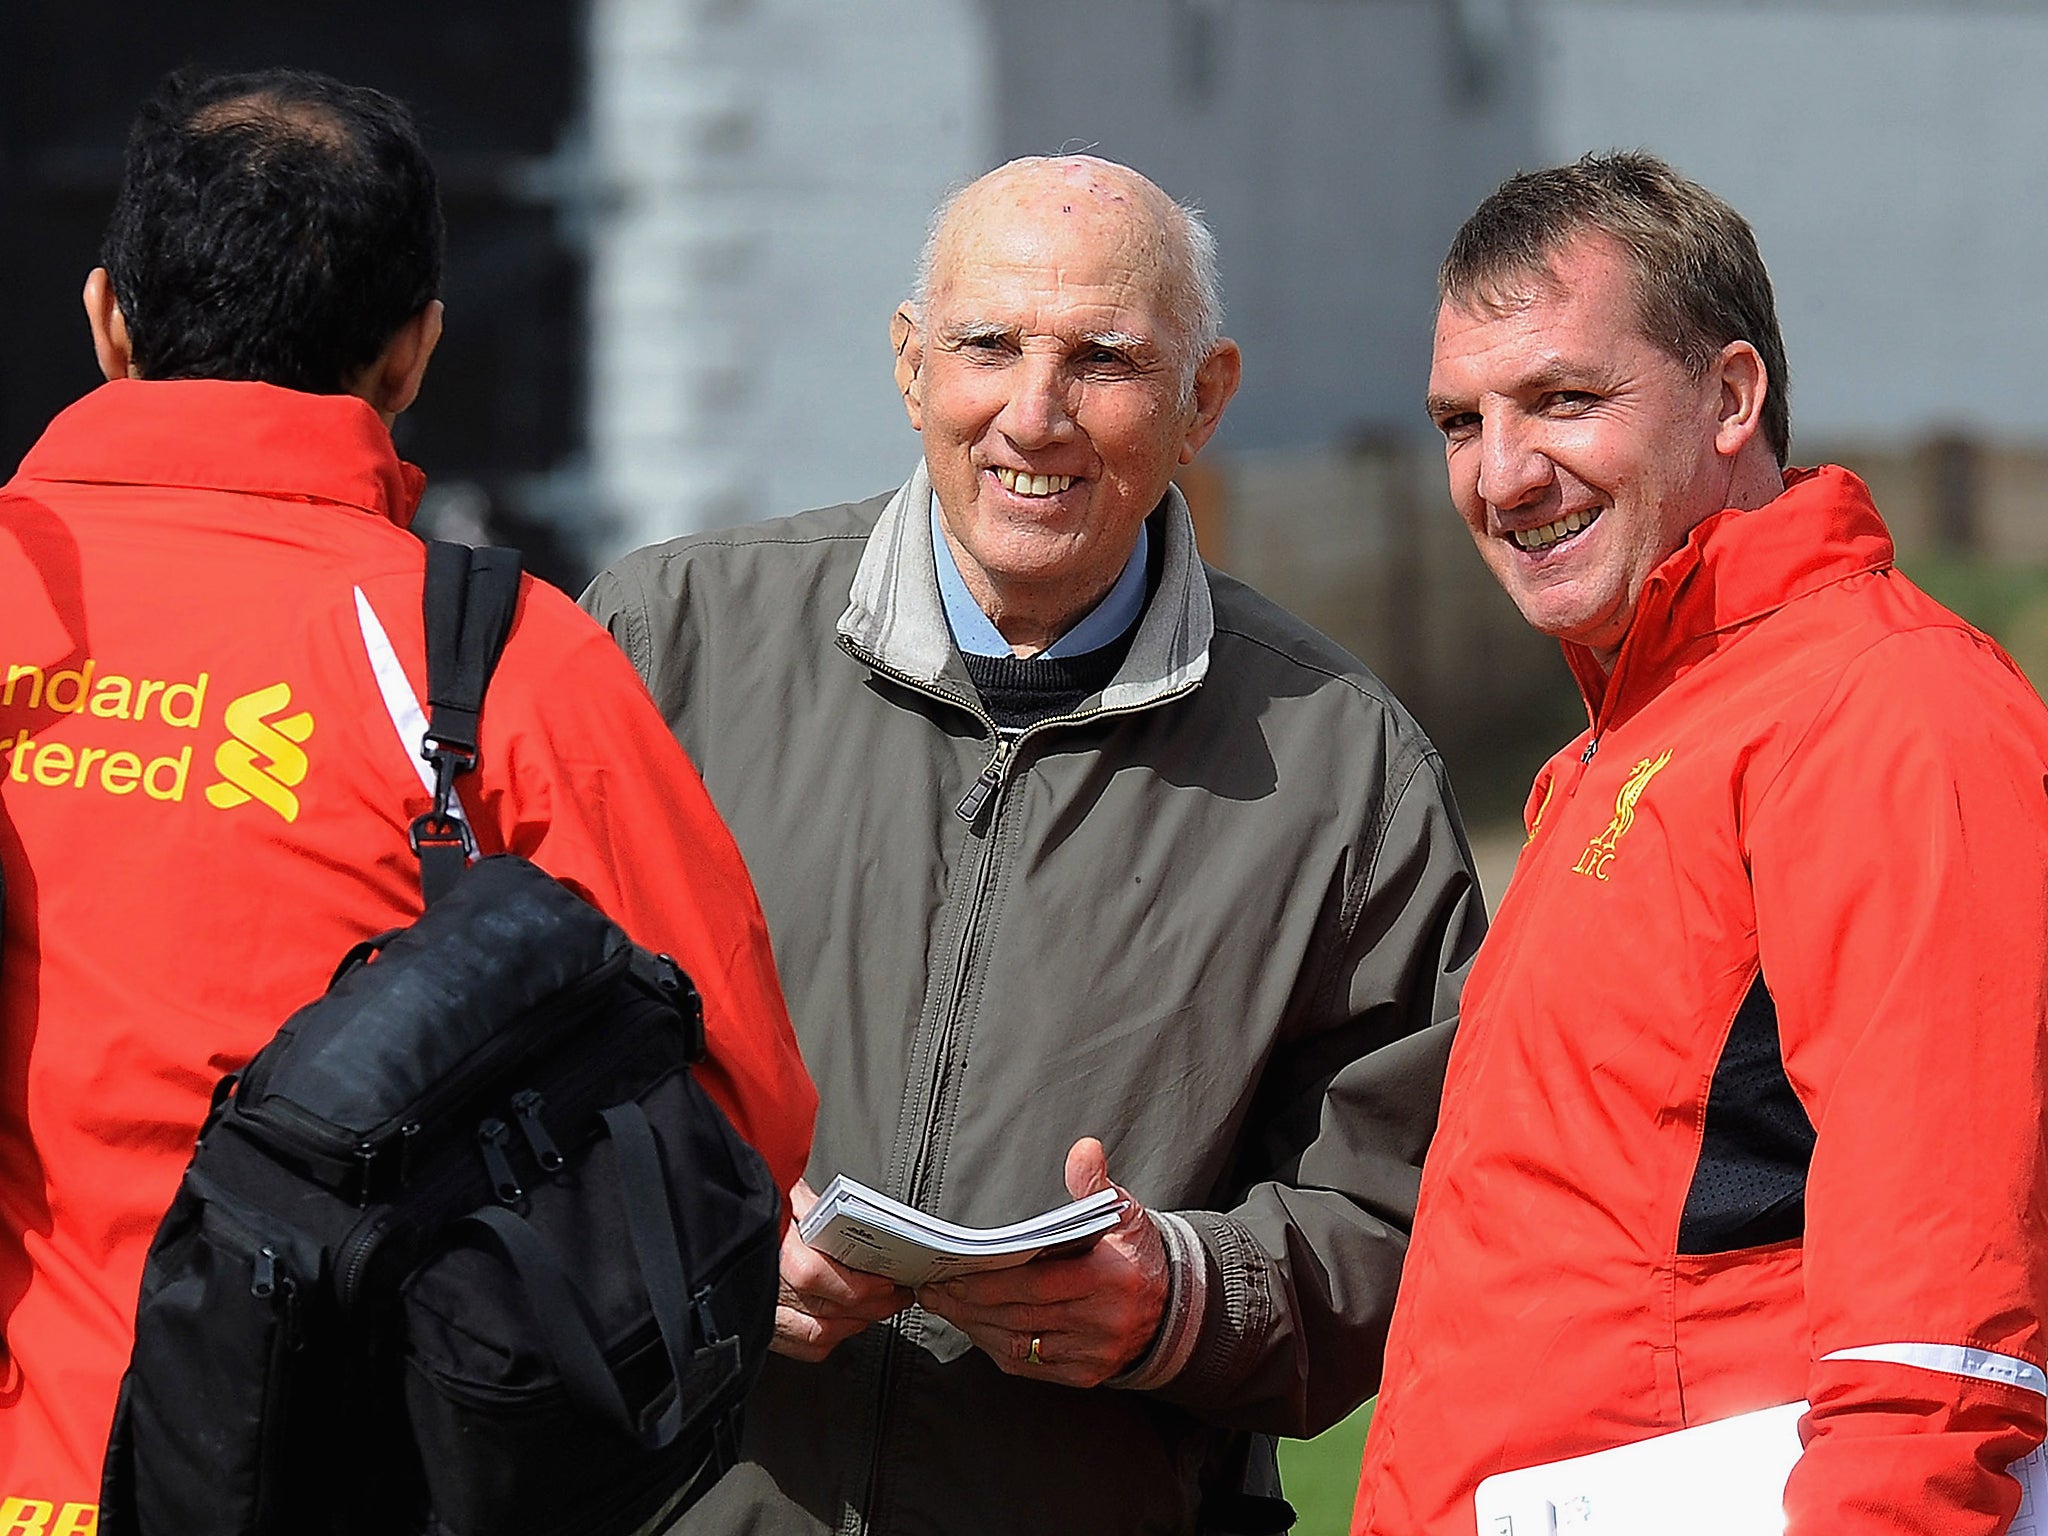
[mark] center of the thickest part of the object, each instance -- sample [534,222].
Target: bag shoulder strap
[469,598]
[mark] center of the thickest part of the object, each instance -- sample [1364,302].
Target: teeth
[1032,485]
[1550,533]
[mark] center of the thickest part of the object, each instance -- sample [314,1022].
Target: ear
[1743,385]
[906,340]
[392,382]
[109,327]
[1216,380]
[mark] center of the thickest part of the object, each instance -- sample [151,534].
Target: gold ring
[1031,1355]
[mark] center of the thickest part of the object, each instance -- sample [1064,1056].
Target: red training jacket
[205,804]
[1746,1102]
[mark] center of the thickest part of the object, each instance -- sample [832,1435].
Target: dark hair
[276,226]
[1700,282]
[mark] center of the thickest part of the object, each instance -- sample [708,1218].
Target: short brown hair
[1700,282]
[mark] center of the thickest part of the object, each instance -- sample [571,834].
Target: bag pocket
[529,1460]
[210,1392]
[566,1370]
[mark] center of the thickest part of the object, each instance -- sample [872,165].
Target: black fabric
[1020,691]
[469,597]
[465,1249]
[1749,1186]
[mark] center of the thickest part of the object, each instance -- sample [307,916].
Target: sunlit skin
[1553,402]
[1050,345]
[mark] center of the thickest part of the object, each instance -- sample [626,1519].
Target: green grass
[1320,1476]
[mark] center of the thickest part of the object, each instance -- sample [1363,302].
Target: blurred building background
[678,228]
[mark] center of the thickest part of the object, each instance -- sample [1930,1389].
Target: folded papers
[866,1230]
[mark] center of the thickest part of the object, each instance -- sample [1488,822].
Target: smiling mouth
[1032,485]
[1534,539]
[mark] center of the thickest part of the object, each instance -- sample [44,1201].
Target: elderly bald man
[1082,862]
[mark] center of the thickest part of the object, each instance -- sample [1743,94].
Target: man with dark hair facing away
[1746,1104]
[211,661]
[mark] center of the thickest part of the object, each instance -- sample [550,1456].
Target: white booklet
[1726,1478]
[864,1229]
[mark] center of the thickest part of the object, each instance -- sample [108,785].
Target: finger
[821,1278]
[1061,1358]
[801,1336]
[798,1335]
[801,1198]
[1046,1282]
[1087,1167]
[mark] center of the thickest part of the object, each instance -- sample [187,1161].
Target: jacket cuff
[1180,1321]
[1231,1330]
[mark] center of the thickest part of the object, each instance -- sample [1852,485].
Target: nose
[1039,409]
[1512,466]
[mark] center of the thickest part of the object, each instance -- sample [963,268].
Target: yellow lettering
[77,1520]
[120,773]
[87,756]
[194,695]
[174,789]
[19,773]
[81,683]
[53,764]
[110,697]
[24,1517]
[143,690]
[35,699]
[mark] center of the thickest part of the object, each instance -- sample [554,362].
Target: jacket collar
[226,435]
[1737,567]
[895,616]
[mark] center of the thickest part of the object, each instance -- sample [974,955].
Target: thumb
[1087,1167]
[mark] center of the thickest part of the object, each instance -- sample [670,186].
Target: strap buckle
[440,830]
[460,756]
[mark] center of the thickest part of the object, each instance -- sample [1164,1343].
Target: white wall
[767,167]
[1893,159]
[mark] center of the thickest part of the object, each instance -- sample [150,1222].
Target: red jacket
[206,802]
[1746,1103]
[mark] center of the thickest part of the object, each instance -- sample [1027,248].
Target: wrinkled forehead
[1073,221]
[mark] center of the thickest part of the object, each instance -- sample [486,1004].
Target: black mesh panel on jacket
[1749,1187]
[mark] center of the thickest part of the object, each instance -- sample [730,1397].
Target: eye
[1569,402]
[1104,360]
[1458,424]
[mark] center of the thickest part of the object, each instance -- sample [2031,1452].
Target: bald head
[1159,242]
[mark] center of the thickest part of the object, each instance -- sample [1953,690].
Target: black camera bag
[465,1248]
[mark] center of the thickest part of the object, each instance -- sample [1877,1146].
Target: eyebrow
[1551,373]
[990,330]
[1118,341]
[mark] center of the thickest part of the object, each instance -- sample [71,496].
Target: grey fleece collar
[894,612]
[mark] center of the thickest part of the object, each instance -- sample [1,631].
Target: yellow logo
[1600,851]
[263,759]
[44,1517]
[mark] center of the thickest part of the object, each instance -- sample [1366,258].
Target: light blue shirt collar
[1119,609]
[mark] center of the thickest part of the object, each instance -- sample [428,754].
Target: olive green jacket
[1217,917]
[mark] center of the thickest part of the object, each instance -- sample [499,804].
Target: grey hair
[1198,305]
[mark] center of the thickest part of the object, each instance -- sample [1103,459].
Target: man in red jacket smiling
[1746,1103]
[211,662]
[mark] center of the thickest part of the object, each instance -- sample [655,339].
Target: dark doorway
[495,85]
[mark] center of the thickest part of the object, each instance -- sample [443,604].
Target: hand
[1093,1314]
[820,1303]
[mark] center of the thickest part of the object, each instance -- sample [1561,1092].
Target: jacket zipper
[981,795]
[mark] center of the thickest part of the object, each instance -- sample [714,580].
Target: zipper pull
[526,1110]
[494,1137]
[264,1285]
[1591,747]
[970,807]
